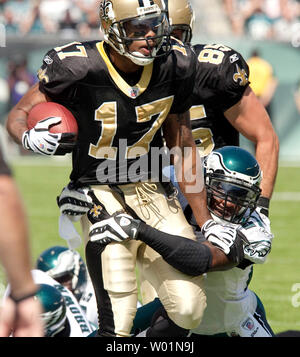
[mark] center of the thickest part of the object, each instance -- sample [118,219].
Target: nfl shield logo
[134,92]
[248,324]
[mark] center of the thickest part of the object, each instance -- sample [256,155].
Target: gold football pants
[182,295]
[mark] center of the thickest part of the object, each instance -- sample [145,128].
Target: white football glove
[227,238]
[117,228]
[74,202]
[41,141]
[257,230]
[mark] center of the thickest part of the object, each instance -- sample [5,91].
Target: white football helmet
[125,21]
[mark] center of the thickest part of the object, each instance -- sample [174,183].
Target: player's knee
[188,315]
[186,320]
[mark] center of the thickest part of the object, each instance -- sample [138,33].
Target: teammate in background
[263,81]
[122,91]
[297,96]
[19,313]
[224,104]
[62,315]
[68,268]
[232,178]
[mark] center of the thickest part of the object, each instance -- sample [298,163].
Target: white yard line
[286,196]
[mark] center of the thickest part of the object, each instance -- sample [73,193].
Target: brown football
[45,110]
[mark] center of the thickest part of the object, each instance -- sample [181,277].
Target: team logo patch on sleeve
[241,76]
[42,75]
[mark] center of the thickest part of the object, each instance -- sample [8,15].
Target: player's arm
[37,139]
[187,163]
[17,117]
[19,313]
[188,256]
[222,250]
[258,233]
[250,118]
[14,238]
[56,80]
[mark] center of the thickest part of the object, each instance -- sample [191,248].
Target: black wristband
[24,297]
[264,203]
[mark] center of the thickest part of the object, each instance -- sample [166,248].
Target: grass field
[40,181]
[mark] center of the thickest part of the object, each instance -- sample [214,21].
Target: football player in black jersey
[122,91]
[224,104]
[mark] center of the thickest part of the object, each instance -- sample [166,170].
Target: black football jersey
[221,80]
[119,115]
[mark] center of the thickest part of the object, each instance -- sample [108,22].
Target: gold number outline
[213,53]
[205,135]
[80,53]
[179,47]
[107,114]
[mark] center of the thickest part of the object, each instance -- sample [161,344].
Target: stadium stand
[34,26]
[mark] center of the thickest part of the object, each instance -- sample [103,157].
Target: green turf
[39,186]
[273,281]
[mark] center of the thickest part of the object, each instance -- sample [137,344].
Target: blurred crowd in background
[260,19]
[277,20]
[25,17]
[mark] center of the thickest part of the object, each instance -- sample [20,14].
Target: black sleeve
[222,71]
[188,256]
[61,70]
[184,64]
